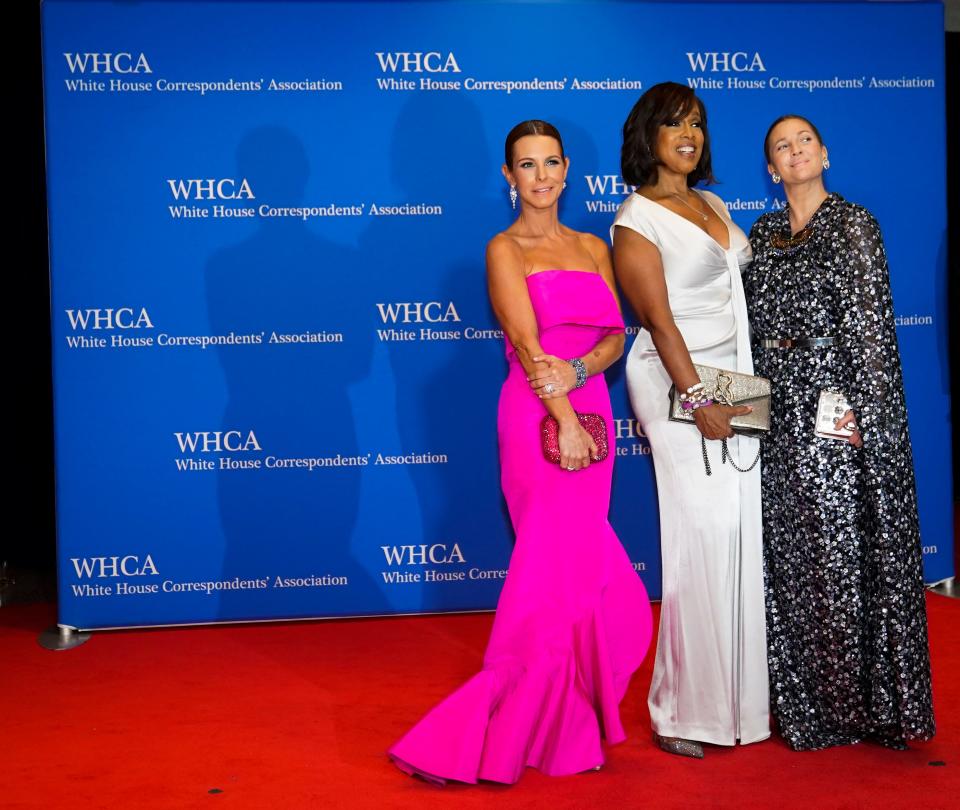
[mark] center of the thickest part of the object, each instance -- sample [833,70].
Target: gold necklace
[700,214]
[781,242]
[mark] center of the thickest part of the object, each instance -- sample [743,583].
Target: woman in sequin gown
[846,620]
[573,621]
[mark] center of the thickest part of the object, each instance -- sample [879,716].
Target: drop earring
[775,177]
[513,197]
[564,183]
[826,164]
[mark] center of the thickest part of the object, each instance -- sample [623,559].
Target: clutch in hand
[730,388]
[593,423]
[831,406]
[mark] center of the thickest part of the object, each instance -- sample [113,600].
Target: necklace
[700,214]
[781,242]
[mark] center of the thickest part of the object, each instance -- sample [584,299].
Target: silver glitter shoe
[679,746]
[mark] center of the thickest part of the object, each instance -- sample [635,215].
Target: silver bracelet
[581,370]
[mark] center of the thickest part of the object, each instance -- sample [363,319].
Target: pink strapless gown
[573,622]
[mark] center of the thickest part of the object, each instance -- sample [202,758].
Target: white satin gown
[710,676]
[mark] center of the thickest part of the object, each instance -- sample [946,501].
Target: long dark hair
[780,120]
[660,104]
[532,127]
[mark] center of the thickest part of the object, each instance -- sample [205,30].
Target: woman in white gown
[678,257]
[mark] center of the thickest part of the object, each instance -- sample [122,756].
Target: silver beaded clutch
[730,388]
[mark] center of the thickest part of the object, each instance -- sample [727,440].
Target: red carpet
[298,716]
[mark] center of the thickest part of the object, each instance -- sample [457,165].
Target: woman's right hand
[713,421]
[577,447]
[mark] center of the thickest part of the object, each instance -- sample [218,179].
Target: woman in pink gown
[573,622]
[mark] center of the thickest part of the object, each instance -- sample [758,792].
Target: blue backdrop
[267,227]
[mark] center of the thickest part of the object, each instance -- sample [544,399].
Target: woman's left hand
[553,378]
[849,419]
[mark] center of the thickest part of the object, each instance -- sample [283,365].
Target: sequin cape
[846,621]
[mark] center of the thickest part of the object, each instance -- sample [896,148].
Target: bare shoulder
[503,247]
[504,254]
[595,246]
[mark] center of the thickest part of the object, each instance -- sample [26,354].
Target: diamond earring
[775,177]
[564,183]
[513,197]
[826,164]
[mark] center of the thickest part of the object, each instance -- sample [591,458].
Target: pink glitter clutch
[593,423]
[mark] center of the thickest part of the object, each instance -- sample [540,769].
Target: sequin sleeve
[758,238]
[868,332]
[759,233]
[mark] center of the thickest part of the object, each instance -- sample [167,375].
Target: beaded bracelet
[690,405]
[693,393]
[696,396]
[581,369]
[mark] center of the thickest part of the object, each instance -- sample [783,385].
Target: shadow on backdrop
[446,390]
[286,278]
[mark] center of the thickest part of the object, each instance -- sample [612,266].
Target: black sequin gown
[846,618]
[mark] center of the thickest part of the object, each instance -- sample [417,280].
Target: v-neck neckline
[825,205]
[693,225]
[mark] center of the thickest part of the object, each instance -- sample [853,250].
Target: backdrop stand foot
[947,587]
[60,637]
